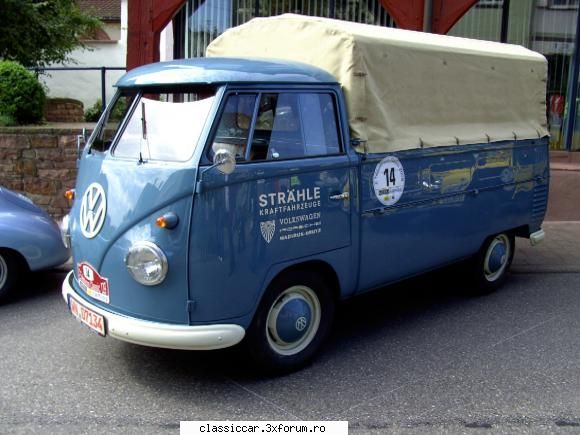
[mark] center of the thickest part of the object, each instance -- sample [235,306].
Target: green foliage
[38,32]
[22,97]
[93,113]
[6,121]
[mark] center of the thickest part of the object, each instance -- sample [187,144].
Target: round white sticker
[389,180]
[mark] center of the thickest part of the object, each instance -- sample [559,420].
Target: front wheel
[9,272]
[291,323]
[493,262]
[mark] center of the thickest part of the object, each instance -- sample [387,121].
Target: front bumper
[154,334]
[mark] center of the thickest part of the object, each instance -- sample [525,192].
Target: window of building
[489,4]
[563,4]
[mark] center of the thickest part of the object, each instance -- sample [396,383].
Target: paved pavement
[559,252]
[564,198]
[420,357]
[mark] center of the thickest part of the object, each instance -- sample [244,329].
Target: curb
[564,167]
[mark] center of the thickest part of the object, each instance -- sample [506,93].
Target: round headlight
[146,263]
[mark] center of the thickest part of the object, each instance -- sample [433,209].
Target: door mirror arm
[224,161]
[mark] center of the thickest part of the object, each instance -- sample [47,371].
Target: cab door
[287,199]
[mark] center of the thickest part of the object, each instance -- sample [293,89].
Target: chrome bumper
[154,334]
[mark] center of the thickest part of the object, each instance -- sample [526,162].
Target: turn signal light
[161,222]
[70,194]
[167,221]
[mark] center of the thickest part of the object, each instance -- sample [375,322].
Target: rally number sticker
[389,180]
[93,284]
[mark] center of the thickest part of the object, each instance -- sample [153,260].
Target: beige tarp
[409,89]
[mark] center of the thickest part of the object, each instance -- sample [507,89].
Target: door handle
[340,196]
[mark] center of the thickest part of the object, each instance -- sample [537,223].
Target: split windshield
[154,125]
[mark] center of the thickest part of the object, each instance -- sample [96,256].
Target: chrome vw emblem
[301,323]
[93,210]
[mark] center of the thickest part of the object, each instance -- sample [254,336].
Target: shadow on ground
[36,285]
[358,320]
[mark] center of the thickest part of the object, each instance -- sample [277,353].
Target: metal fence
[204,20]
[102,69]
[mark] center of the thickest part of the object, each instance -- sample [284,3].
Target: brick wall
[41,163]
[63,110]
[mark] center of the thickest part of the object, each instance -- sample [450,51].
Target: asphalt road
[420,357]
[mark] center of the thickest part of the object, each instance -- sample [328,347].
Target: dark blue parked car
[29,240]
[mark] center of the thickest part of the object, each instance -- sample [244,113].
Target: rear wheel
[9,272]
[493,262]
[291,323]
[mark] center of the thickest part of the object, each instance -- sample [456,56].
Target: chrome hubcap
[496,257]
[3,272]
[293,320]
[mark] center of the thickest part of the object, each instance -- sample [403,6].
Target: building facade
[106,48]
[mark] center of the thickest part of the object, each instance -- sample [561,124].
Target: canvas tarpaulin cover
[407,89]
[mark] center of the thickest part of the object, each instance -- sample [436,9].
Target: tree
[38,32]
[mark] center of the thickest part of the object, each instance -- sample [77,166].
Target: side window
[103,137]
[286,140]
[234,126]
[319,123]
[295,125]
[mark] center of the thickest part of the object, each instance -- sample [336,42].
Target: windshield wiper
[143,131]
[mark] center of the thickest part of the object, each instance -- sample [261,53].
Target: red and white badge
[94,284]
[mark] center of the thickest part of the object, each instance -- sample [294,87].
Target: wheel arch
[316,266]
[521,231]
[15,254]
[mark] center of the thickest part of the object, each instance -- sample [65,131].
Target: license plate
[93,320]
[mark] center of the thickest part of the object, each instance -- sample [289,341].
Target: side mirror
[224,161]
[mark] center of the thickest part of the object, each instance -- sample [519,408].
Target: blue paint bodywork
[455,197]
[222,71]
[28,230]
[220,261]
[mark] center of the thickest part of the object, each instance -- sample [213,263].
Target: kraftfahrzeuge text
[292,214]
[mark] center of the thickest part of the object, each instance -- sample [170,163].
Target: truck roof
[223,70]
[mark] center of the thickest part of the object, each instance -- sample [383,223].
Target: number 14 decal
[390,176]
[389,180]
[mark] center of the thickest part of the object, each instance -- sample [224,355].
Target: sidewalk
[558,253]
[560,250]
[564,196]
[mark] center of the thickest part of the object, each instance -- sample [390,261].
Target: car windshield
[161,125]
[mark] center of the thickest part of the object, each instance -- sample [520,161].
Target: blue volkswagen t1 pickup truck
[243,195]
